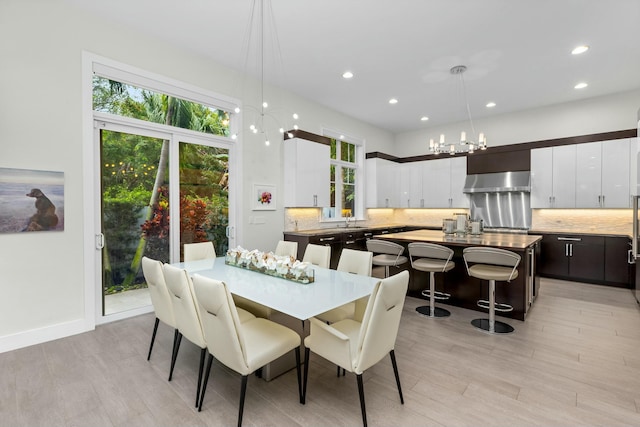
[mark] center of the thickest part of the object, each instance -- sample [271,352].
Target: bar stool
[492,264]
[434,259]
[389,254]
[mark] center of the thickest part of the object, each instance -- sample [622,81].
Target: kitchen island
[466,291]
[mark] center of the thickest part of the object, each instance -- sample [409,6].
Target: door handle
[630,259]
[570,249]
[315,200]
[570,239]
[566,249]
[99,241]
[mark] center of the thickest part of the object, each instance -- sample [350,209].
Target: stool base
[425,310]
[499,327]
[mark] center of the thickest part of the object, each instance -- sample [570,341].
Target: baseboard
[40,335]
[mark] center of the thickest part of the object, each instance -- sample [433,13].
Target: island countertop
[498,240]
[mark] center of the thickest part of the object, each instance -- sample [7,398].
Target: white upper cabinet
[616,170]
[458,176]
[602,174]
[306,173]
[443,182]
[411,186]
[589,175]
[553,177]
[382,183]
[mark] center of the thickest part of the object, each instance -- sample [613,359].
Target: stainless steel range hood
[498,182]
[500,200]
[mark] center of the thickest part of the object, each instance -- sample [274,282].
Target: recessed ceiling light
[393,101]
[424,118]
[580,85]
[347,74]
[491,104]
[580,49]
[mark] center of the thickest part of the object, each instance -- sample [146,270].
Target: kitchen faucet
[346,220]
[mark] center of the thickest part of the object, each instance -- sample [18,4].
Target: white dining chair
[356,346]
[187,316]
[153,275]
[317,255]
[355,262]
[198,251]
[287,248]
[242,347]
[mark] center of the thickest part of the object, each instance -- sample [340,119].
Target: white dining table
[329,290]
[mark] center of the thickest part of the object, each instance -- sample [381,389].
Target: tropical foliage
[135,181]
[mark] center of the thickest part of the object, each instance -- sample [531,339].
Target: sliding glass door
[158,191]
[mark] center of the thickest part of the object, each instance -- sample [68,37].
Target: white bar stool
[492,264]
[434,259]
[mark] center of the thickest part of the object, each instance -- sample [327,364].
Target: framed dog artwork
[31,200]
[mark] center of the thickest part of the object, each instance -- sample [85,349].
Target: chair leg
[176,348]
[153,337]
[203,353]
[243,392]
[395,371]
[306,375]
[205,381]
[298,372]
[361,392]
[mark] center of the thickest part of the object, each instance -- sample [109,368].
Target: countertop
[500,240]
[342,229]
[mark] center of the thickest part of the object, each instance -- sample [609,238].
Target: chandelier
[260,25]
[465,145]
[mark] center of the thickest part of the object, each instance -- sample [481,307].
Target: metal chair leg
[243,392]
[298,372]
[306,375]
[203,353]
[153,337]
[174,356]
[362,406]
[205,381]
[395,371]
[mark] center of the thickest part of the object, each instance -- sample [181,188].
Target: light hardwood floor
[575,361]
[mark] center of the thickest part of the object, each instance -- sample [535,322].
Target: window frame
[357,165]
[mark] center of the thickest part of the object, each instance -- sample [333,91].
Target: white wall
[41,45]
[594,115]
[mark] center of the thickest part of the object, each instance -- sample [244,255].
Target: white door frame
[91,157]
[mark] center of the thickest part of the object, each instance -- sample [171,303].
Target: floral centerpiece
[269,263]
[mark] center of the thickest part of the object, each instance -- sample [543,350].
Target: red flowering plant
[194,219]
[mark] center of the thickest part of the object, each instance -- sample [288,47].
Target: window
[126,100]
[345,180]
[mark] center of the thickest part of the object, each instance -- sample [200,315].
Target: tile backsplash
[596,221]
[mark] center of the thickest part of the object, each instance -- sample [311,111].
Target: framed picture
[31,200]
[264,197]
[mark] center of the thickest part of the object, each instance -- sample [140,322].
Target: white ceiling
[517,51]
